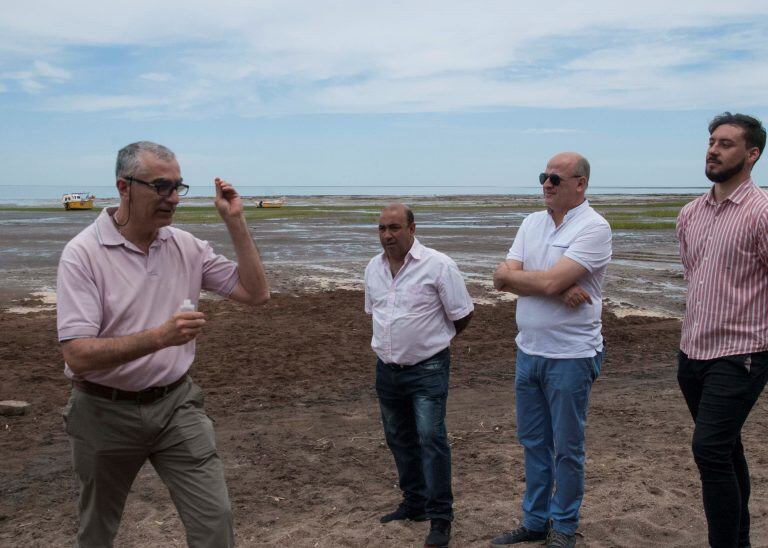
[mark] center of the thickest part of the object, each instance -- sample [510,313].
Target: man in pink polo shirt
[127,289]
[419,303]
[723,361]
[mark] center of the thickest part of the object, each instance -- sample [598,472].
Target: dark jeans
[412,400]
[720,393]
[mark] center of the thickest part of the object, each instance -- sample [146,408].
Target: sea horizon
[42,195]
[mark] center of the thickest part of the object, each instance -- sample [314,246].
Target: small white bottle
[187,306]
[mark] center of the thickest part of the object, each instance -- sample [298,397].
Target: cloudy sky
[372,94]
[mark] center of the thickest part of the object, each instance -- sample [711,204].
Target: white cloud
[37,77]
[289,56]
[96,103]
[30,85]
[637,56]
[45,70]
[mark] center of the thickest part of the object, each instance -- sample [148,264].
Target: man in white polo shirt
[126,291]
[419,302]
[556,266]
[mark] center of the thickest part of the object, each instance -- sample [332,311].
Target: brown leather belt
[148,395]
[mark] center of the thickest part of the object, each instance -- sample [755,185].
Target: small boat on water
[78,200]
[279,202]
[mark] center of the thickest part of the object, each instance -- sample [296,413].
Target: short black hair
[754,132]
[409,215]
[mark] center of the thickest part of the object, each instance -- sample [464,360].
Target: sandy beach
[290,386]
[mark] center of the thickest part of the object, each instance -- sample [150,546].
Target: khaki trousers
[111,440]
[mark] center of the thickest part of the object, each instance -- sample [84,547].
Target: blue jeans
[552,397]
[412,399]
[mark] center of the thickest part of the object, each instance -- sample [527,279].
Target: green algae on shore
[635,215]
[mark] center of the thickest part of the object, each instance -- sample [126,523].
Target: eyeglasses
[554,178]
[163,187]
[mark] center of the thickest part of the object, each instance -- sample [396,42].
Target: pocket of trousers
[433,365]
[758,364]
[66,413]
[591,366]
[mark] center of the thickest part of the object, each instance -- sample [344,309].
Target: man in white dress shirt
[419,302]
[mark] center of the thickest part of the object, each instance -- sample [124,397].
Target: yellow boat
[272,203]
[78,200]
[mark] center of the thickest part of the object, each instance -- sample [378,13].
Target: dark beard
[722,176]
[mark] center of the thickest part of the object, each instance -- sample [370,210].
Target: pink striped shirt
[724,250]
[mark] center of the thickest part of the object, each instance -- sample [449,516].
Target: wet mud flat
[319,243]
[290,386]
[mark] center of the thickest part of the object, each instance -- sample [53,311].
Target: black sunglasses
[554,178]
[162,186]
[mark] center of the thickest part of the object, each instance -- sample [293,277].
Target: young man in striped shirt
[723,361]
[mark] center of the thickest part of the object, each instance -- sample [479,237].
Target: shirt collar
[109,235]
[106,229]
[416,249]
[737,196]
[571,213]
[415,252]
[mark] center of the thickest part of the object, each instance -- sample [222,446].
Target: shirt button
[701,282]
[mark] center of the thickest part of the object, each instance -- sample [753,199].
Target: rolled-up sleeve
[368,300]
[453,292]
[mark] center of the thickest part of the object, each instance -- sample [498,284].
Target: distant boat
[78,200]
[279,202]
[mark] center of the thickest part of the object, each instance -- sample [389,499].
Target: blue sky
[400,94]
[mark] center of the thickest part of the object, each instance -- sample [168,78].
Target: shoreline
[44,300]
[326,244]
[54,201]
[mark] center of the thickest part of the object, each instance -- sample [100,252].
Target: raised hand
[228,201]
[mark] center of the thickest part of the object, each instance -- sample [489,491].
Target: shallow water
[331,251]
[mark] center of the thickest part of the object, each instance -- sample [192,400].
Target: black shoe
[521,534]
[556,539]
[403,513]
[439,534]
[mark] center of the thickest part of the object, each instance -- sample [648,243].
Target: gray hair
[582,167]
[128,158]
